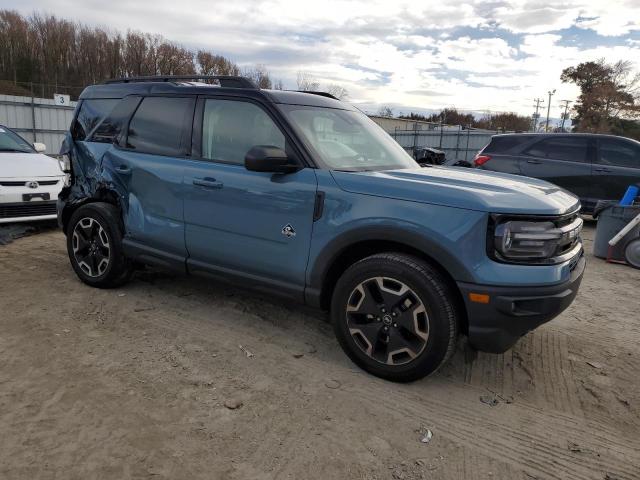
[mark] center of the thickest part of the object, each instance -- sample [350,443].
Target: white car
[29,181]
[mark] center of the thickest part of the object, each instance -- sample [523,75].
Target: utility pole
[551,92]
[536,115]
[564,115]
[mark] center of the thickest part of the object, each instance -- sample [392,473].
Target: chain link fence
[457,144]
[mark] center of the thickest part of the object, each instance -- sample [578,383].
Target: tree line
[502,122]
[609,100]
[55,55]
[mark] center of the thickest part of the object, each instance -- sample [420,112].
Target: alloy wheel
[91,247]
[387,320]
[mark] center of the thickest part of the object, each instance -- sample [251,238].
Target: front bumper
[513,311]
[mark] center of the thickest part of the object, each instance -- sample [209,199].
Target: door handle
[534,162]
[207,182]
[602,170]
[123,170]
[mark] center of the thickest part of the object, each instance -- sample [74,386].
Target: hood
[28,165]
[463,188]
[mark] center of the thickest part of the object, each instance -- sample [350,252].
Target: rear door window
[111,127]
[91,113]
[162,126]
[568,149]
[502,144]
[618,152]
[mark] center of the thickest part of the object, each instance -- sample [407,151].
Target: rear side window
[161,126]
[231,128]
[569,149]
[502,144]
[620,153]
[111,127]
[91,113]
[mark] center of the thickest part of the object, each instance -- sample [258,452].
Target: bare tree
[385,111]
[337,91]
[210,64]
[55,54]
[260,75]
[306,82]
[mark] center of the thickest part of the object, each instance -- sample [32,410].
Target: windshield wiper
[14,150]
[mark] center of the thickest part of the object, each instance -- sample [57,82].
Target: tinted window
[502,144]
[116,121]
[91,113]
[12,142]
[230,129]
[570,149]
[160,126]
[621,153]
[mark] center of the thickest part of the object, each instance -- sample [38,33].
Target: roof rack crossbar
[230,81]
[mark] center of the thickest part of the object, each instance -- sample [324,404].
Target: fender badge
[288,231]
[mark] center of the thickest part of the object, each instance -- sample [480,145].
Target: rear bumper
[513,311]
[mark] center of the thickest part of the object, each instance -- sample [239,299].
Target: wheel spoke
[91,247]
[387,320]
[367,335]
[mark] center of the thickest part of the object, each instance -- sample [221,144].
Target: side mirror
[265,158]
[40,147]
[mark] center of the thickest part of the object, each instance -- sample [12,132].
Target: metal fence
[40,120]
[457,144]
[37,119]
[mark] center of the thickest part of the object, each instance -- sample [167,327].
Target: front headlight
[535,240]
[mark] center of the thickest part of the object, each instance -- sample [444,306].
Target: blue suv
[300,195]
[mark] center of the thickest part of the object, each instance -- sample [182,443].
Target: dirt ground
[137,383]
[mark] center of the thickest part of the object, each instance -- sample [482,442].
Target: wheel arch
[103,195]
[344,252]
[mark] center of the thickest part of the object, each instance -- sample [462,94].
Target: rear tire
[395,316]
[94,246]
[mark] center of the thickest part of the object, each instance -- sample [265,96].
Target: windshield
[347,140]
[11,142]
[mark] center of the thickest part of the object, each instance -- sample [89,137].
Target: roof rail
[322,94]
[230,81]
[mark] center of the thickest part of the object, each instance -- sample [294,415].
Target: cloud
[473,54]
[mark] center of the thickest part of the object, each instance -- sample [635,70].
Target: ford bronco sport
[303,196]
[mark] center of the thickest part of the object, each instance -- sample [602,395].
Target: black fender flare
[430,248]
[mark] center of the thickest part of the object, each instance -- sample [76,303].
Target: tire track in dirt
[538,443]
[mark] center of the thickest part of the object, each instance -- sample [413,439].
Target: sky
[409,55]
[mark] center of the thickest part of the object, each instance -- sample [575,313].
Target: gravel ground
[180,378]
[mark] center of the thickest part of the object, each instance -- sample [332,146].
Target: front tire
[395,316]
[94,246]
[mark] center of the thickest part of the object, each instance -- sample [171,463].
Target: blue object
[505,248]
[630,195]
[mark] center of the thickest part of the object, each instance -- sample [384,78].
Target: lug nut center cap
[387,319]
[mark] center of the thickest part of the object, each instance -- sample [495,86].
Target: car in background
[29,181]
[592,166]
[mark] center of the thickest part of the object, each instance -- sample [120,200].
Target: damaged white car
[29,181]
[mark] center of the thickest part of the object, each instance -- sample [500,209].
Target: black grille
[35,209]
[22,184]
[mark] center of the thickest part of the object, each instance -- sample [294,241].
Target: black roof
[181,86]
[556,134]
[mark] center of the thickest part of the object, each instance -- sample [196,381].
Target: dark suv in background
[594,167]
